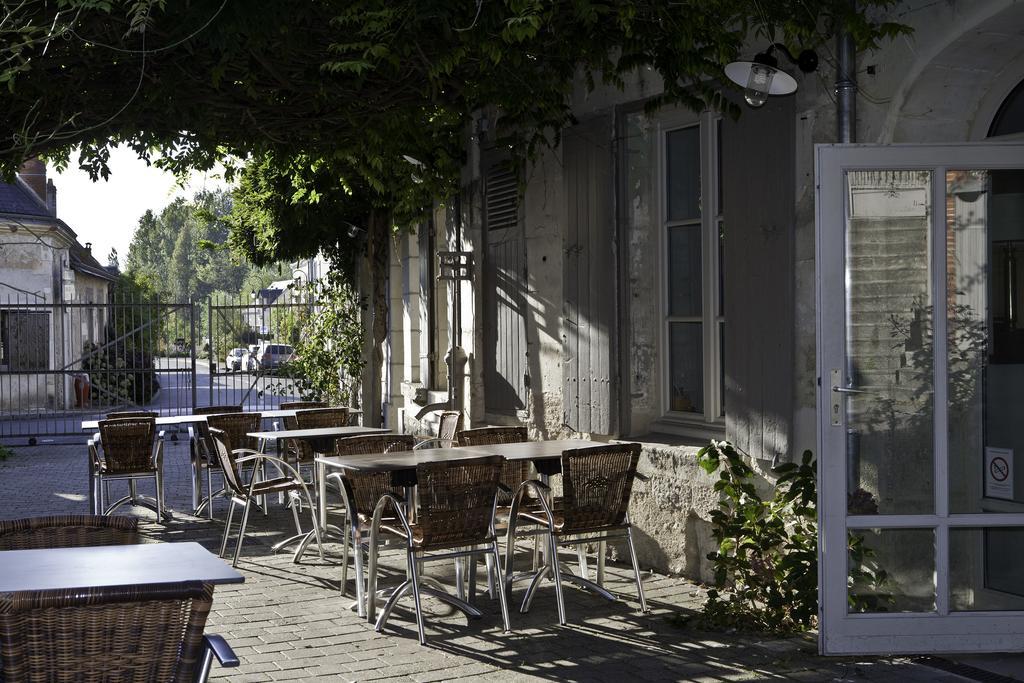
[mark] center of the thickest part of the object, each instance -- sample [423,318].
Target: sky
[106,213]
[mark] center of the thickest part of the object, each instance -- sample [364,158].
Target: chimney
[33,172]
[88,247]
[51,198]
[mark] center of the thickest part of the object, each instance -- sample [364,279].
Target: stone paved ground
[289,622]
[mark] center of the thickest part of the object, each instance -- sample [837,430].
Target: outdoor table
[111,565]
[167,420]
[546,455]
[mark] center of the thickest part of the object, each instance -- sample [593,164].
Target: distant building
[48,281]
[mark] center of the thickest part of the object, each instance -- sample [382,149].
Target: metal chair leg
[502,598]
[241,532]
[636,569]
[227,527]
[416,597]
[346,532]
[556,574]
[361,592]
[491,571]
[581,555]
[209,490]
[160,498]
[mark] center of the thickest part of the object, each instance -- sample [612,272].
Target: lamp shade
[781,83]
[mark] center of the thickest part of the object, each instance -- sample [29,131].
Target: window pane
[686,363]
[718,150]
[684,271]
[721,365]
[986,569]
[891,570]
[890,425]
[683,167]
[721,268]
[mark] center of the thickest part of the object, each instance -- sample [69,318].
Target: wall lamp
[762,77]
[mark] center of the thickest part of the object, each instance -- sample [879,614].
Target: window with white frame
[692,233]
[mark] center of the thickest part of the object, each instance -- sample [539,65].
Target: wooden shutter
[758,158]
[589,272]
[505,347]
[30,340]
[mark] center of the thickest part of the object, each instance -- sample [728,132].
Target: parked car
[249,358]
[273,356]
[233,361]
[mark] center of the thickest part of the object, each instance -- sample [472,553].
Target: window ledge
[689,428]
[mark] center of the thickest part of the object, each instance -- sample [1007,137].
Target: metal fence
[65,362]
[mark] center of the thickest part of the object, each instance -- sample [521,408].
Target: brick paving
[290,622]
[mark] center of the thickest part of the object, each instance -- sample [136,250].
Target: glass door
[921,399]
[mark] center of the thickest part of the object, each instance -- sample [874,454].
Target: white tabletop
[165,420]
[407,460]
[318,432]
[112,565]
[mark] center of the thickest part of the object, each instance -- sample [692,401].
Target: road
[175,397]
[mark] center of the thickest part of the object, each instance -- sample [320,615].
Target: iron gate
[69,361]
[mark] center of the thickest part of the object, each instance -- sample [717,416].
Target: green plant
[5,452]
[767,548]
[328,343]
[766,564]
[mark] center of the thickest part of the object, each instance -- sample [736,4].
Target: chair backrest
[366,488]
[450,425]
[123,633]
[596,485]
[289,420]
[132,413]
[487,436]
[127,444]
[216,410]
[513,472]
[227,459]
[236,427]
[68,531]
[321,417]
[314,418]
[202,430]
[456,501]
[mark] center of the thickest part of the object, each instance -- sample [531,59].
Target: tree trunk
[378,245]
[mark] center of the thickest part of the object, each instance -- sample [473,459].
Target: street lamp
[762,76]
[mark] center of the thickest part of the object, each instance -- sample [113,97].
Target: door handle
[836,404]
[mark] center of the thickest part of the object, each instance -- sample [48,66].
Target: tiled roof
[17,199]
[83,261]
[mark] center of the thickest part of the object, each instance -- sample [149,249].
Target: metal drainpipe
[846,129]
[846,85]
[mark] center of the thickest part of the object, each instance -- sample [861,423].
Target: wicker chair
[312,418]
[238,492]
[236,426]
[361,491]
[216,410]
[300,405]
[132,413]
[125,633]
[447,431]
[596,486]
[455,515]
[513,472]
[67,531]
[128,449]
[201,454]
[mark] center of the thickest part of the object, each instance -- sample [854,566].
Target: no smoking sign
[999,473]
